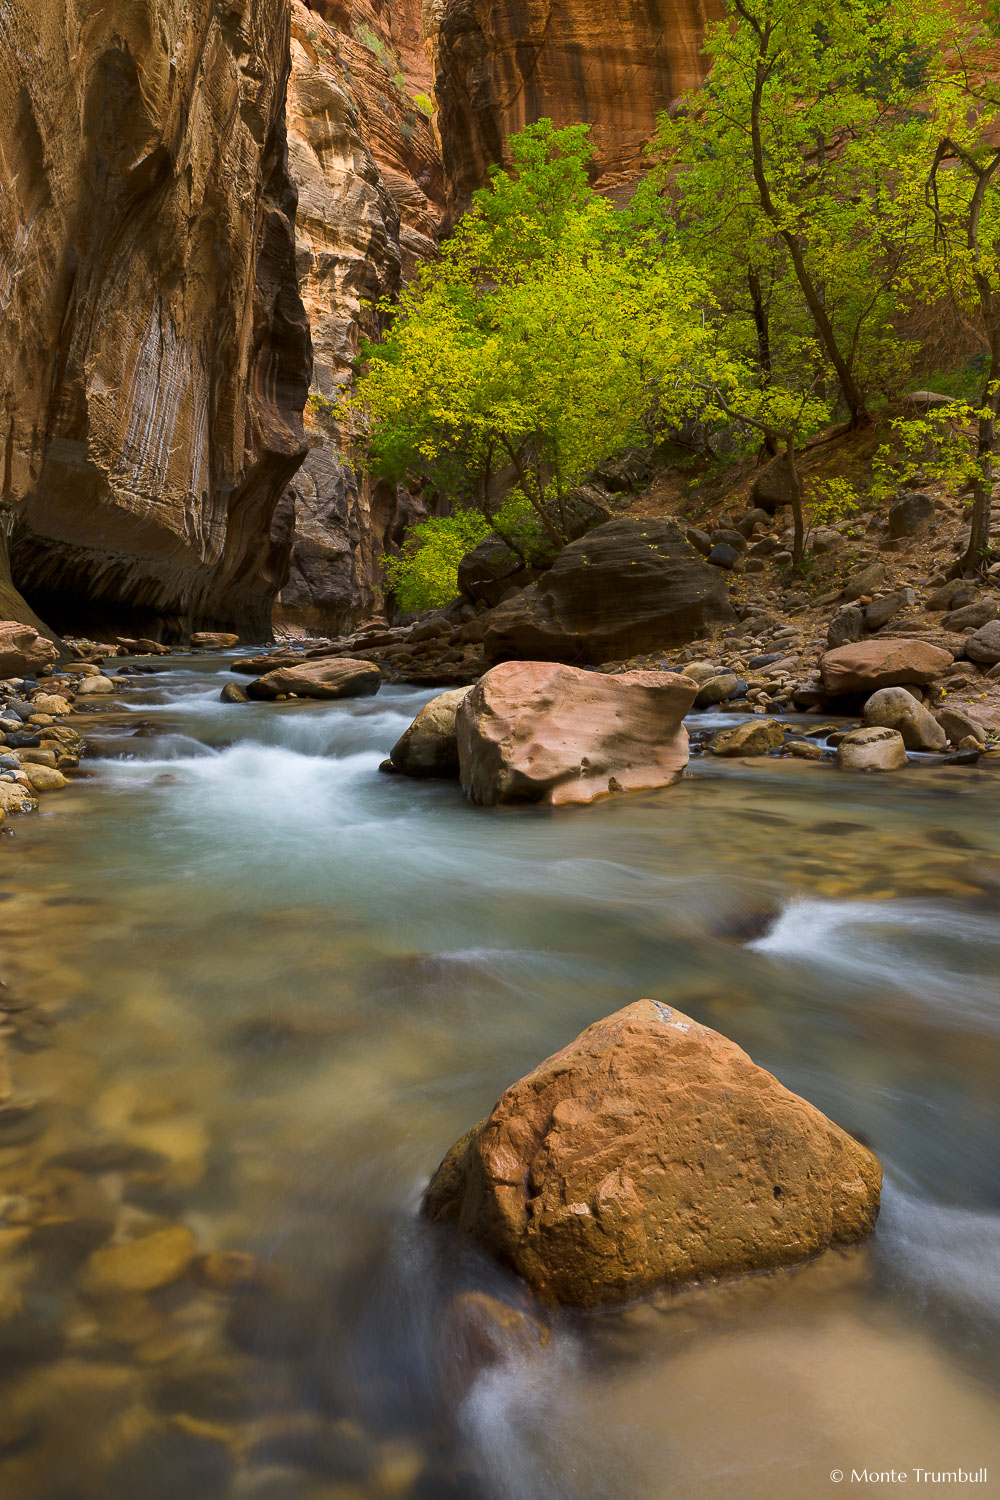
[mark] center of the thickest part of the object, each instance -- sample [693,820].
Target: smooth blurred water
[301,980]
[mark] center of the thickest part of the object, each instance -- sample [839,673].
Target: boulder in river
[536,731]
[23,650]
[895,708]
[326,677]
[755,737]
[865,666]
[650,1152]
[873,748]
[430,746]
[214,640]
[627,587]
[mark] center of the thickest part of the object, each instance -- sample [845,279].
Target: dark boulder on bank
[629,586]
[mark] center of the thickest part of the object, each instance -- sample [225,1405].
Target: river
[273,986]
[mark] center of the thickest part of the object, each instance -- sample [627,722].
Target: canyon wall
[154,351]
[501,64]
[366,163]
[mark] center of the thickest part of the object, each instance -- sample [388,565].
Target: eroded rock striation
[155,352]
[649,1152]
[366,163]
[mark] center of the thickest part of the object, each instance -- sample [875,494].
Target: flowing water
[256,988]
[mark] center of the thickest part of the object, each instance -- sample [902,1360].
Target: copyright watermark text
[909,1476]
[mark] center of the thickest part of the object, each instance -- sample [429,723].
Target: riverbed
[256,988]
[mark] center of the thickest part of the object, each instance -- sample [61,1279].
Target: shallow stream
[256,988]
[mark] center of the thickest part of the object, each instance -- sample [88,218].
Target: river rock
[627,587]
[847,625]
[650,1152]
[895,708]
[23,651]
[50,703]
[541,732]
[984,644]
[232,693]
[214,640]
[871,749]
[717,689]
[868,665]
[94,687]
[254,666]
[883,609]
[953,595]
[326,677]
[910,514]
[44,778]
[15,798]
[723,555]
[430,746]
[757,737]
[958,725]
[140,1265]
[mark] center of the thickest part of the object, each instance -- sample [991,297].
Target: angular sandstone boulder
[328,677]
[536,731]
[626,587]
[865,666]
[650,1152]
[213,640]
[430,746]
[23,650]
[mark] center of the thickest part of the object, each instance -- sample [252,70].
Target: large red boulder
[627,587]
[866,666]
[23,650]
[650,1152]
[328,677]
[536,731]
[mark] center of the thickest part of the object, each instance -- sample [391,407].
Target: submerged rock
[430,746]
[327,677]
[758,737]
[140,1265]
[539,732]
[652,1151]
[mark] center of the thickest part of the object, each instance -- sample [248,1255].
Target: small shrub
[424,103]
[367,38]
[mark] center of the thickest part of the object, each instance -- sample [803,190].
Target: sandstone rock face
[23,650]
[155,352]
[628,586]
[539,732]
[498,67]
[649,1152]
[430,746]
[895,708]
[868,665]
[331,677]
[367,167]
[872,749]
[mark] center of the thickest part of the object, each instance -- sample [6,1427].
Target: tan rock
[139,1265]
[22,649]
[758,737]
[652,1151]
[15,798]
[94,687]
[895,708]
[213,640]
[542,732]
[37,756]
[45,778]
[430,746]
[326,677]
[865,666]
[872,749]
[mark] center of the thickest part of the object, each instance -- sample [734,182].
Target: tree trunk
[798,524]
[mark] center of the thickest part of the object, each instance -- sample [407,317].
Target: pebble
[141,1265]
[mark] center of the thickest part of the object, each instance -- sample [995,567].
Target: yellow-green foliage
[831,500]
[424,103]
[941,446]
[425,574]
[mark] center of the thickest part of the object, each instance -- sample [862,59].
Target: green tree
[551,331]
[795,170]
